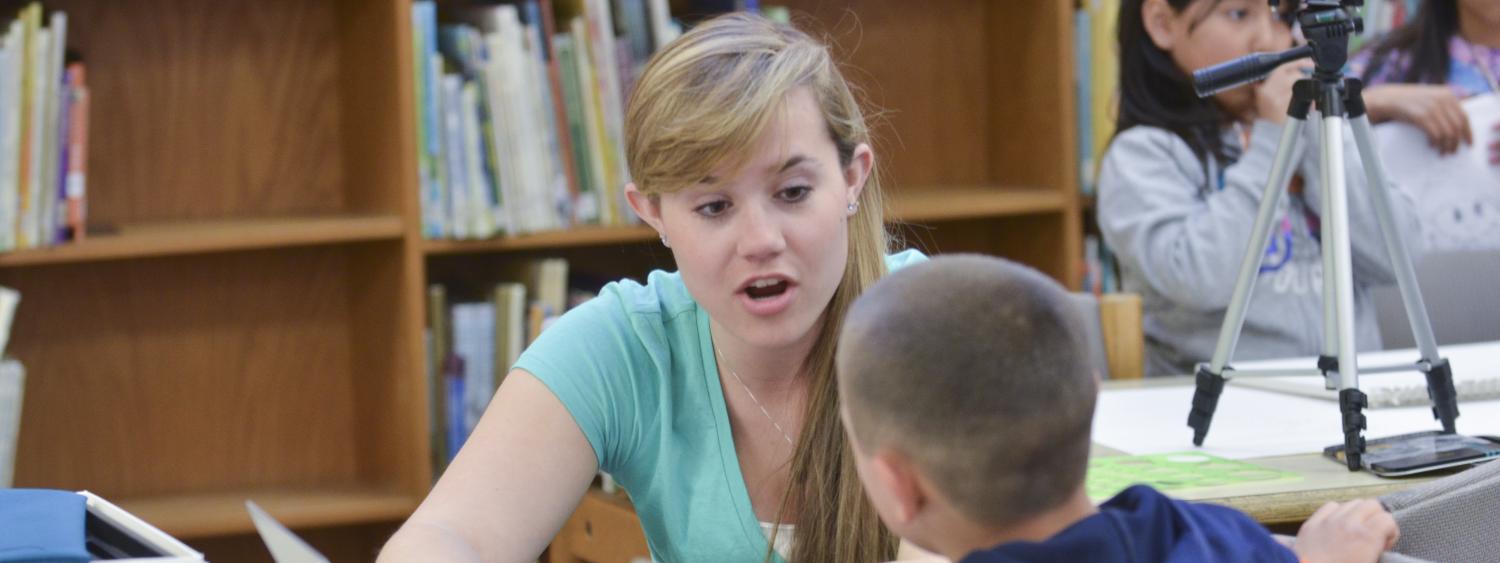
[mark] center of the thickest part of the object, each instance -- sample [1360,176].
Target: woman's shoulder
[663,295]
[909,257]
[627,313]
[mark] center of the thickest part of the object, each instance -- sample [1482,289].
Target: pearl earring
[664,241]
[853,207]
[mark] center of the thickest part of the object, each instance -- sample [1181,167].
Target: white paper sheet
[1251,423]
[1458,196]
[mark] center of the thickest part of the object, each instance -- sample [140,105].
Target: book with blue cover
[42,525]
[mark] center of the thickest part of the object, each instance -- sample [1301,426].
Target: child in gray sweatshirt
[1182,180]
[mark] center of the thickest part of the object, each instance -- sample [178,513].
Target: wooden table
[1287,503]
[605,529]
[1282,503]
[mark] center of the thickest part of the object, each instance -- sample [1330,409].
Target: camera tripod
[1327,24]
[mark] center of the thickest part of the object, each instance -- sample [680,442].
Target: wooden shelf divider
[168,239]
[957,203]
[570,238]
[909,206]
[191,516]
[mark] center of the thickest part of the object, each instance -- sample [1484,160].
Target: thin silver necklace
[752,396]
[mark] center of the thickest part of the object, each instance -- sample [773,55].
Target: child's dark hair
[1425,38]
[1154,92]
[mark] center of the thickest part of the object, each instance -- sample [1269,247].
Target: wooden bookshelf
[170,239]
[974,118]
[250,329]
[223,513]
[255,329]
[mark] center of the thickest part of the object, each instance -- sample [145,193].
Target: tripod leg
[1328,363]
[1210,378]
[1336,210]
[1439,374]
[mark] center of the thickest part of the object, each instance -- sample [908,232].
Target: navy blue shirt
[1141,524]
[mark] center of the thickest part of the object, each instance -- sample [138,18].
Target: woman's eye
[713,209]
[795,193]
[1238,14]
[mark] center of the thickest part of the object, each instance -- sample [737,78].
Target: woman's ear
[858,171]
[645,206]
[1160,21]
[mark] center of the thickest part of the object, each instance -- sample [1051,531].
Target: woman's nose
[760,234]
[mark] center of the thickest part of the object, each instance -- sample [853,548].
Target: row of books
[1096,80]
[43,132]
[1381,16]
[1101,274]
[475,335]
[521,112]
[1097,69]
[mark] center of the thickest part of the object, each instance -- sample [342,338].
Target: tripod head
[1327,25]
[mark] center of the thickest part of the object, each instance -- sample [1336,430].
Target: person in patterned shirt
[1421,72]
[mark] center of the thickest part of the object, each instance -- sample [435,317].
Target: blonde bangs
[706,98]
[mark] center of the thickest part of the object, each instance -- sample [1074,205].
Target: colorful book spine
[566,155]
[11,51]
[30,140]
[453,377]
[76,178]
[1083,97]
[56,228]
[430,143]
[1104,76]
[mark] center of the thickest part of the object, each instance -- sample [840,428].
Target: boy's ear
[1159,18]
[898,476]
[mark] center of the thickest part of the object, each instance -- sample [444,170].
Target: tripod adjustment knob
[1355,422]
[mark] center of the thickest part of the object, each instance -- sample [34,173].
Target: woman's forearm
[423,541]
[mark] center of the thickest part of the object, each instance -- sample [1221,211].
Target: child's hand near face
[1274,94]
[1356,532]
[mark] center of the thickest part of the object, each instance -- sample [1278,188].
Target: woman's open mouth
[767,296]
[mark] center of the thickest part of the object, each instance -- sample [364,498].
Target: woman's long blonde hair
[700,102]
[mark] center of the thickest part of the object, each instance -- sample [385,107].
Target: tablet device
[1420,452]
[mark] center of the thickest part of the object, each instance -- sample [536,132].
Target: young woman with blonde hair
[708,393]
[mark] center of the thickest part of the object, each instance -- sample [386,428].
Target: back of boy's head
[977,370]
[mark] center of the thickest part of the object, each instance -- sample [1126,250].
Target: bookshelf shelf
[918,205]
[571,238]
[956,203]
[223,513]
[167,239]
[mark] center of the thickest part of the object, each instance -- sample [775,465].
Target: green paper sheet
[1109,475]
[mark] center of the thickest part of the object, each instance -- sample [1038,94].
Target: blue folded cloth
[39,525]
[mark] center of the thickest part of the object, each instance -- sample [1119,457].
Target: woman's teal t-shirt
[635,368]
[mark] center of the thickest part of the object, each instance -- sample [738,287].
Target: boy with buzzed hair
[968,395]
